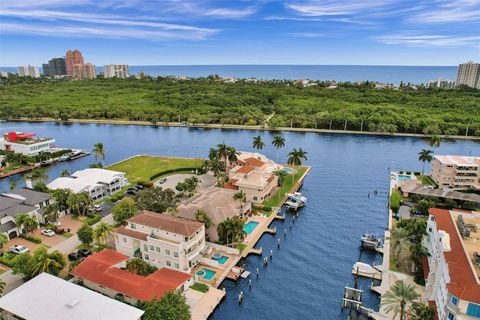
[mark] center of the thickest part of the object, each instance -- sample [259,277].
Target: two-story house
[162,240]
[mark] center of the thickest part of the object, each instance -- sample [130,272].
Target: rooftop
[101,268]
[85,179]
[472,243]
[30,197]
[166,222]
[13,206]
[459,160]
[48,297]
[464,282]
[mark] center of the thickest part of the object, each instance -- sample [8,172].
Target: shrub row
[8,259]
[395,200]
[159,174]
[117,196]
[31,239]
[93,218]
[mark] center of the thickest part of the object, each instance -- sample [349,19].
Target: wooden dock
[234,276]
[271,231]
[376,276]
[256,251]
[278,217]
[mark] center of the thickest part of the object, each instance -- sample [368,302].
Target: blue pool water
[403,177]
[288,170]
[250,226]
[209,273]
[322,245]
[222,259]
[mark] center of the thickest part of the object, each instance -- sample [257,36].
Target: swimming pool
[221,260]
[403,177]
[206,273]
[288,170]
[250,226]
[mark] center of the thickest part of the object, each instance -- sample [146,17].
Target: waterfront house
[452,269]
[49,297]
[21,201]
[25,143]
[98,183]
[162,240]
[253,173]
[218,203]
[105,272]
[456,172]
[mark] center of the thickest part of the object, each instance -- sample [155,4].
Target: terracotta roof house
[102,272]
[162,240]
[452,276]
[219,205]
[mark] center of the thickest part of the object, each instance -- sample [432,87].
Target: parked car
[140,187]
[84,252]
[48,232]
[74,256]
[95,208]
[56,223]
[131,193]
[19,249]
[162,181]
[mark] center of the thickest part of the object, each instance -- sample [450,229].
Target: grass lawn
[67,235]
[288,183]
[143,167]
[426,180]
[241,247]
[200,287]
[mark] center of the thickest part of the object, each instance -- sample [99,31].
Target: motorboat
[370,241]
[295,200]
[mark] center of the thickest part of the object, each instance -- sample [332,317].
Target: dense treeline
[211,101]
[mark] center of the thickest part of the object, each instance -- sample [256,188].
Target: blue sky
[175,32]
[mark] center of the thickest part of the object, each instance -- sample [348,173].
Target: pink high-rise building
[73,58]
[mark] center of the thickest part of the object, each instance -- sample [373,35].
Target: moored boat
[370,241]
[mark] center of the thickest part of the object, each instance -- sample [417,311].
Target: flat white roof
[94,175]
[47,297]
[76,185]
[458,160]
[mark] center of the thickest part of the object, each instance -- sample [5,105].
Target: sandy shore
[242,127]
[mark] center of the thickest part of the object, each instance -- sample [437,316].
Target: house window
[451,316]
[145,247]
[157,249]
[175,254]
[146,257]
[152,248]
[177,266]
[124,239]
[473,310]
[454,300]
[167,252]
[169,263]
[133,226]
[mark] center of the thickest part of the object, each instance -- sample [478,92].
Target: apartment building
[25,143]
[441,84]
[469,74]
[253,173]
[162,240]
[452,273]
[28,71]
[98,183]
[55,67]
[72,58]
[115,70]
[456,172]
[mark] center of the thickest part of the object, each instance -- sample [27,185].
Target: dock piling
[278,243]
[258,272]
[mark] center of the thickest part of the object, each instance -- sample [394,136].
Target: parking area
[106,209]
[20,241]
[48,241]
[69,223]
[205,181]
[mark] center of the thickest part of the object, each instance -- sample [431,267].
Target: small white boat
[295,200]
[370,241]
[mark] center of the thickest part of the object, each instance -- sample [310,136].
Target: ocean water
[307,274]
[387,74]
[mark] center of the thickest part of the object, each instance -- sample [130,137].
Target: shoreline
[239,127]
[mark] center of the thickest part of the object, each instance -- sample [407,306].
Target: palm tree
[65,173]
[419,311]
[99,150]
[213,154]
[230,231]
[51,212]
[240,195]
[42,261]
[38,174]
[223,151]
[278,142]
[425,156]
[397,238]
[281,174]
[296,157]
[216,166]
[3,239]
[2,286]
[26,223]
[435,141]
[258,143]
[102,231]
[13,185]
[398,297]
[231,156]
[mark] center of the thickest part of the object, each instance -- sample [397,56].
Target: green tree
[40,186]
[258,143]
[102,231]
[202,216]
[85,234]
[281,174]
[397,238]
[99,151]
[124,210]
[232,154]
[26,223]
[419,311]
[435,141]
[399,297]
[61,196]
[424,205]
[230,231]
[296,157]
[140,267]
[172,306]
[240,195]
[78,203]
[425,156]
[3,239]
[278,142]
[65,173]
[42,261]
[155,199]
[50,212]
[34,176]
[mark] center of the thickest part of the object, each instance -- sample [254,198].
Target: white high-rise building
[22,71]
[115,70]
[441,84]
[32,71]
[469,74]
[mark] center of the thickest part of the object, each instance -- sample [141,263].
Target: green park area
[288,182]
[142,168]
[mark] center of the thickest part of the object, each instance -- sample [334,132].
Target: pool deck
[262,227]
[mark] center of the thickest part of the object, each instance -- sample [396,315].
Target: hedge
[31,239]
[395,200]
[159,174]
[146,184]
[93,218]
[8,259]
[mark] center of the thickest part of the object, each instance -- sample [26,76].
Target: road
[12,281]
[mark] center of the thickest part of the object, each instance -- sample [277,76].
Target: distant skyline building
[25,71]
[469,74]
[115,70]
[89,71]
[72,58]
[57,67]
[46,69]
[441,84]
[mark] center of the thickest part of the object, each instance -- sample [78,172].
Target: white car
[19,249]
[48,232]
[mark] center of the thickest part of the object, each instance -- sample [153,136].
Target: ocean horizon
[342,73]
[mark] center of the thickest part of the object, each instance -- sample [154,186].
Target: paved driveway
[20,241]
[106,209]
[206,181]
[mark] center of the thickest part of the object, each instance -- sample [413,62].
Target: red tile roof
[270,179]
[166,222]
[100,268]
[254,162]
[132,233]
[228,185]
[244,169]
[463,281]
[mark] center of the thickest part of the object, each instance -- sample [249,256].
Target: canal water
[306,276]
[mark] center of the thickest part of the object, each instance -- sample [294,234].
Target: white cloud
[414,40]
[307,34]
[336,8]
[450,11]
[231,13]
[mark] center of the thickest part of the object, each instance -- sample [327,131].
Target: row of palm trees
[295,157]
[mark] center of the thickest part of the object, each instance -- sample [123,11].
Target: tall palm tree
[51,212]
[419,311]
[216,166]
[213,154]
[425,156]
[38,174]
[42,261]
[258,143]
[398,236]
[232,154]
[26,223]
[65,173]
[281,174]
[13,185]
[435,141]
[2,286]
[278,142]
[296,157]
[223,151]
[99,151]
[102,231]
[399,297]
